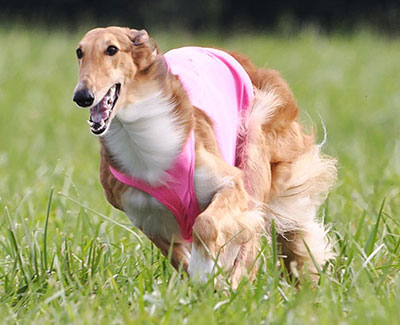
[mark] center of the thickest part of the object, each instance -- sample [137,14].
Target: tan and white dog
[142,115]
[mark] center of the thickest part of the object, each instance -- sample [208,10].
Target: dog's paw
[201,265]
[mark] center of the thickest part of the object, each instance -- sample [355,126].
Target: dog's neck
[145,137]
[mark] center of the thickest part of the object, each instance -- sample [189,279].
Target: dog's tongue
[98,113]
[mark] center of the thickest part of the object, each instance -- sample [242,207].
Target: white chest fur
[145,140]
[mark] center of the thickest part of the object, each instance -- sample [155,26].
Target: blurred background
[221,15]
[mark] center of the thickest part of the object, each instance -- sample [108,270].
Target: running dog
[203,151]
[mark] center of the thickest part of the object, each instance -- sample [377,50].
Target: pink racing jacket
[218,85]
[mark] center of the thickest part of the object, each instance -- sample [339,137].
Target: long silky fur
[294,207]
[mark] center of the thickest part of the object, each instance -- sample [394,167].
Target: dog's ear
[139,37]
[144,49]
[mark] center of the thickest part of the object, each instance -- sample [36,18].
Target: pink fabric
[178,194]
[217,84]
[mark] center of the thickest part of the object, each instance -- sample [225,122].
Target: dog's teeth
[90,122]
[102,122]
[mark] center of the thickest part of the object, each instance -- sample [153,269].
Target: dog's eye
[79,53]
[111,50]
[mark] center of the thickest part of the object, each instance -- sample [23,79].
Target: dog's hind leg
[297,183]
[300,188]
[305,251]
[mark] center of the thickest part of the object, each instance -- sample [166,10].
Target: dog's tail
[252,152]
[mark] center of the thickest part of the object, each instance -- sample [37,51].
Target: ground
[66,256]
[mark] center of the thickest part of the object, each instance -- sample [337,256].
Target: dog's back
[217,84]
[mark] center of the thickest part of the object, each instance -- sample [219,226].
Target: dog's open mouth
[100,113]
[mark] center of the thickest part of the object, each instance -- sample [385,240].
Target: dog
[204,183]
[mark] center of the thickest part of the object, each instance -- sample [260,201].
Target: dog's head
[110,60]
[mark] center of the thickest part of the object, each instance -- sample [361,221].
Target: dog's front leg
[221,232]
[179,253]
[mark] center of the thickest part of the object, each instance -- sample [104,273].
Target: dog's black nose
[83,97]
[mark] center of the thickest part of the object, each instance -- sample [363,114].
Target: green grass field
[74,259]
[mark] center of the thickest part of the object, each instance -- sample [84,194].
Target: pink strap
[183,204]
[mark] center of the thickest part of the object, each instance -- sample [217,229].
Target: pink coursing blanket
[218,85]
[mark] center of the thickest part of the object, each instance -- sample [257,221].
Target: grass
[67,257]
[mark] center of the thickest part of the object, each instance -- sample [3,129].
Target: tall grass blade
[46,226]
[369,245]
[360,226]
[18,255]
[274,244]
